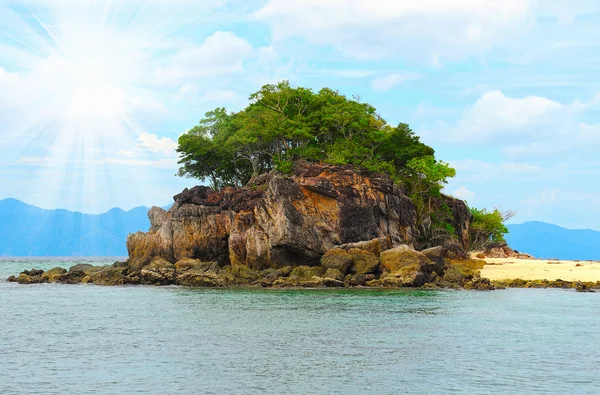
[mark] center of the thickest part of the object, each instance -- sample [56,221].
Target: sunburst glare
[79,82]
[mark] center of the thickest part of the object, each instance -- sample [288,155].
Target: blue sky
[93,94]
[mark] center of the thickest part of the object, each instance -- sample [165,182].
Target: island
[309,190]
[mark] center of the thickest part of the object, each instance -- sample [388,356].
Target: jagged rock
[196,265]
[375,246]
[495,253]
[157,217]
[279,220]
[461,219]
[160,271]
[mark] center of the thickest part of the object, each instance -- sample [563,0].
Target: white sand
[532,269]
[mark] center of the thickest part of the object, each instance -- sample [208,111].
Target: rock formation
[279,220]
[319,226]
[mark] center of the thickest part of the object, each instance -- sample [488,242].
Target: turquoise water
[89,339]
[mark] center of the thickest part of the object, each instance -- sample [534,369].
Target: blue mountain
[27,230]
[544,240]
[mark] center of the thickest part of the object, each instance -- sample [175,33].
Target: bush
[487,227]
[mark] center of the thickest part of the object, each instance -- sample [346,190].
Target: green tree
[487,227]
[283,124]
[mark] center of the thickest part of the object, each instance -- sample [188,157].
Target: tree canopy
[283,124]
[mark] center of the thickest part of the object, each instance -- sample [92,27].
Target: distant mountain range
[544,240]
[27,230]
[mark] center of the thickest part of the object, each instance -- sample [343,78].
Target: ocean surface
[57,339]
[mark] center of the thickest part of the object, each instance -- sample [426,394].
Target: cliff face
[279,220]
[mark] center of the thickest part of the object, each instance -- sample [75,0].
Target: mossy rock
[71,277]
[537,284]
[479,284]
[376,283]
[335,274]
[53,274]
[396,258]
[410,275]
[273,274]
[123,265]
[337,258]
[358,280]
[239,274]
[159,271]
[26,279]
[375,246]
[109,276]
[307,272]
[196,265]
[194,279]
[467,269]
[363,262]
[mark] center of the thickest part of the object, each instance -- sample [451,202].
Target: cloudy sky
[94,93]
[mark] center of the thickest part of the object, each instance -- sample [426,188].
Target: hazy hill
[545,240]
[27,230]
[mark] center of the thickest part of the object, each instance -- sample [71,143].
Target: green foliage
[283,124]
[487,227]
[284,166]
[435,227]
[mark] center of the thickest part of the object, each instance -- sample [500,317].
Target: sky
[95,93]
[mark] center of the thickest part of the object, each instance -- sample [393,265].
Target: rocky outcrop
[502,250]
[322,226]
[279,220]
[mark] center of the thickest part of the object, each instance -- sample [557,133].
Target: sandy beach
[534,269]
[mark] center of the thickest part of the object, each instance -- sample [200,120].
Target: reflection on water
[89,339]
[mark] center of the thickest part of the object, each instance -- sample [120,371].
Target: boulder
[53,274]
[307,272]
[335,274]
[338,259]
[399,257]
[363,262]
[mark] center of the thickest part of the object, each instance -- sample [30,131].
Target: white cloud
[221,53]
[495,114]
[153,143]
[432,30]
[463,193]
[384,84]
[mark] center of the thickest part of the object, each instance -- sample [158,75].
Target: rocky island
[321,226]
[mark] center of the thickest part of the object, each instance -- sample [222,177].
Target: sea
[87,339]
